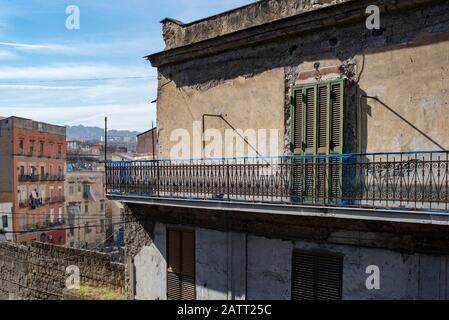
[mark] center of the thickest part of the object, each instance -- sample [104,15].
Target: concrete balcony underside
[374,214]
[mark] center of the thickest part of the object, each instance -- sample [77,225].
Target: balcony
[390,182]
[42,226]
[54,177]
[28,178]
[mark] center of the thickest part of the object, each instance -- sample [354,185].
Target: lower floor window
[316,277]
[181,265]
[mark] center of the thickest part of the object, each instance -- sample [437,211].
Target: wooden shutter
[316,277]
[297,121]
[309,122]
[181,265]
[337,117]
[318,119]
[323,119]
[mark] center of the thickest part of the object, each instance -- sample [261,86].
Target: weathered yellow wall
[412,80]
[247,103]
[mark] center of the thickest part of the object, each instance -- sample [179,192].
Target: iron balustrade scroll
[409,180]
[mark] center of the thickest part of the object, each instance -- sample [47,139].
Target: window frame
[316,85]
[181,273]
[318,254]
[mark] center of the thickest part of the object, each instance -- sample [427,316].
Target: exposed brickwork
[39,271]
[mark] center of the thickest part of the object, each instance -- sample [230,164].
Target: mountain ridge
[96,133]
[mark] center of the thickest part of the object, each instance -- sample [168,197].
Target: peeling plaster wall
[402,275]
[150,266]
[177,34]
[227,268]
[405,64]
[269,269]
[245,102]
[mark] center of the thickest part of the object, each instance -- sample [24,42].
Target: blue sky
[41,60]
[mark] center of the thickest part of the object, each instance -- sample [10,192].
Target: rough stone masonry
[39,272]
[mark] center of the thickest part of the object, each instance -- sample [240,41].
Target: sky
[67,76]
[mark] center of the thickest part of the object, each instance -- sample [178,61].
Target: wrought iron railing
[416,180]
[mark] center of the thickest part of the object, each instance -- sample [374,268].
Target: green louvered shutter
[317,129]
[337,118]
[336,140]
[310,138]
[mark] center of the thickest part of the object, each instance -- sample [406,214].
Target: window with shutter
[316,277]
[181,265]
[317,129]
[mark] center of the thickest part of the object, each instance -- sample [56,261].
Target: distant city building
[83,155]
[147,145]
[86,209]
[6,225]
[33,156]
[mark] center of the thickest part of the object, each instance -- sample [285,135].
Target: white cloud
[38,87]
[5,54]
[36,47]
[70,71]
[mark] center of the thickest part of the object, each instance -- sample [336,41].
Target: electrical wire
[64,228]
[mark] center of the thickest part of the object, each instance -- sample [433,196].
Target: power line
[64,228]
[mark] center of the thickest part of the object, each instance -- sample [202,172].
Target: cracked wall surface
[177,34]
[404,64]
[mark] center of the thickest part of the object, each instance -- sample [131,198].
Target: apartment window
[31,147]
[79,188]
[33,221]
[59,151]
[86,208]
[71,188]
[42,148]
[102,206]
[52,150]
[43,219]
[22,223]
[60,215]
[181,265]
[86,188]
[22,170]
[318,111]
[42,171]
[21,146]
[52,172]
[5,222]
[33,170]
[317,129]
[316,277]
[52,215]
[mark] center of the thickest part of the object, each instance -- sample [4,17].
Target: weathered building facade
[147,145]
[354,122]
[32,173]
[86,207]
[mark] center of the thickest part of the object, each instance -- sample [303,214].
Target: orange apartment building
[32,175]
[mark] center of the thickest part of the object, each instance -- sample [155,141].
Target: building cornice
[304,23]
